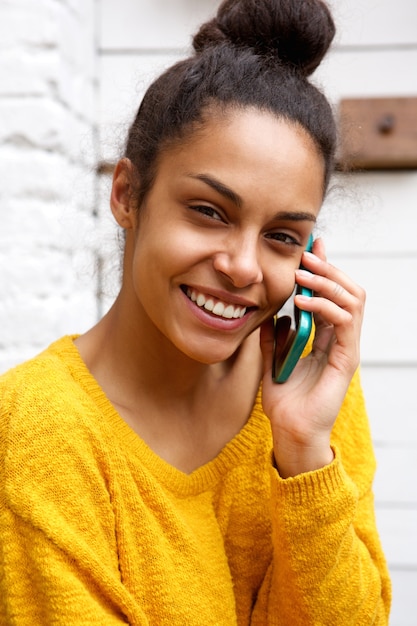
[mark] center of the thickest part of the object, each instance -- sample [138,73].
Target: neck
[184,410]
[130,361]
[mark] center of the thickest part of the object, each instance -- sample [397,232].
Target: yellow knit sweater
[96,529]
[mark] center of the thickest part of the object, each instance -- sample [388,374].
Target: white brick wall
[47,190]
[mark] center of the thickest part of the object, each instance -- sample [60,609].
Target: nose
[239,261]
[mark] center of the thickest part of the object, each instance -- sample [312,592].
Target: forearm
[42,583]
[328,567]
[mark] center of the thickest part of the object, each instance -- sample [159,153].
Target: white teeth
[228,311]
[209,305]
[219,309]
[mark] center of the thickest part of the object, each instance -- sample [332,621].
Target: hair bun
[298,32]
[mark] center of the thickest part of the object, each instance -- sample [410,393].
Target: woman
[152,472]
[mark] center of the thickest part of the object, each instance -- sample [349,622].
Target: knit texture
[95,528]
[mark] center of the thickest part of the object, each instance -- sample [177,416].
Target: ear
[121,197]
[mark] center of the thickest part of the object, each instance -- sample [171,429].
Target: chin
[211,355]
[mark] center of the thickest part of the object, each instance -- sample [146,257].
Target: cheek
[280,285]
[158,257]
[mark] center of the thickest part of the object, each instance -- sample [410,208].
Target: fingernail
[301,273]
[301,298]
[311,256]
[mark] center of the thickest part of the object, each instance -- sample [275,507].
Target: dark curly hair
[254,53]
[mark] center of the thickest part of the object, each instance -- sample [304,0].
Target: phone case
[291,336]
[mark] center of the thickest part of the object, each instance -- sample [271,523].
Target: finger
[319,249]
[338,332]
[330,311]
[337,312]
[330,282]
[341,280]
[332,290]
[324,339]
[320,267]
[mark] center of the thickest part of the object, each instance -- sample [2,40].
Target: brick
[33,122]
[31,173]
[45,124]
[24,72]
[28,23]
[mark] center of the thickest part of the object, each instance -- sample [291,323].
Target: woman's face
[222,231]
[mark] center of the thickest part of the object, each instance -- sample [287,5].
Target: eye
[284,238]
[206,210]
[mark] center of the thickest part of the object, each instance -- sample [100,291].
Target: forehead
[252,151]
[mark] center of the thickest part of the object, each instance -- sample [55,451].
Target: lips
[215,306]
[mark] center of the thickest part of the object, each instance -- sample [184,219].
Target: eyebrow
[229,194]
[221,188]
[295,216]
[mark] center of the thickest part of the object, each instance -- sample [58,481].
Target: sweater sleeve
[58,555]
[328,566]
[42,583]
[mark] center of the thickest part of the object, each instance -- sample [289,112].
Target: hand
[303,409]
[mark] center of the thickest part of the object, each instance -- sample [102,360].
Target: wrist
[292,460]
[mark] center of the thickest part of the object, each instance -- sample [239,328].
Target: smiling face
[214,250]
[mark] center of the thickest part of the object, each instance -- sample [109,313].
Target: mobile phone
[291,335]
